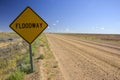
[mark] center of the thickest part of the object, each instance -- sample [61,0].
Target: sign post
[29,25]
[31,60]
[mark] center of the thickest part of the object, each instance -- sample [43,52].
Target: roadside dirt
[84,60]
[49,69]
[45,65]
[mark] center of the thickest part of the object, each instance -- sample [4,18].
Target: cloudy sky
[74,16]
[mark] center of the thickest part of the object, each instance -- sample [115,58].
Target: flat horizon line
[66,32]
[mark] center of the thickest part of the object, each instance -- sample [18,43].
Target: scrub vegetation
[14,56]
[12,51]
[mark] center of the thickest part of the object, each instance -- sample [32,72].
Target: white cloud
[96,27]
[57,21]
[102,28]
[99,28]
[48,27]
[54,24]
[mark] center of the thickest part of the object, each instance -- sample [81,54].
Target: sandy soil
[3,44]
[82,60]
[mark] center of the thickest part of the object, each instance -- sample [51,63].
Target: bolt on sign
[28,25]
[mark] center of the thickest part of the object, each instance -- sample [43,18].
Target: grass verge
[49,65]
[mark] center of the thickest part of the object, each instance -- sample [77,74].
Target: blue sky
[75,16]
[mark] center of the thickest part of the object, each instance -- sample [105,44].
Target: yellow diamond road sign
[28,25]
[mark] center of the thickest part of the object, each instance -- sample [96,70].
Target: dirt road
[85,60]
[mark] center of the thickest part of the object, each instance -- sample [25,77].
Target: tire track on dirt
[105,44]
[85,66]
[96,45]
[95,49]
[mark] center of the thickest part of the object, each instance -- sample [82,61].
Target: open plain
[65,56]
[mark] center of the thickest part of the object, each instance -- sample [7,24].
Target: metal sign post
[31,60]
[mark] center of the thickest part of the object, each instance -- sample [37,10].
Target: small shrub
[25,65]
[41,56]
[49,78]
[17,75]
[25,68]
[26,59]
[55,66]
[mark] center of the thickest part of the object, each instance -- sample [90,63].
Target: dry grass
[11,54]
